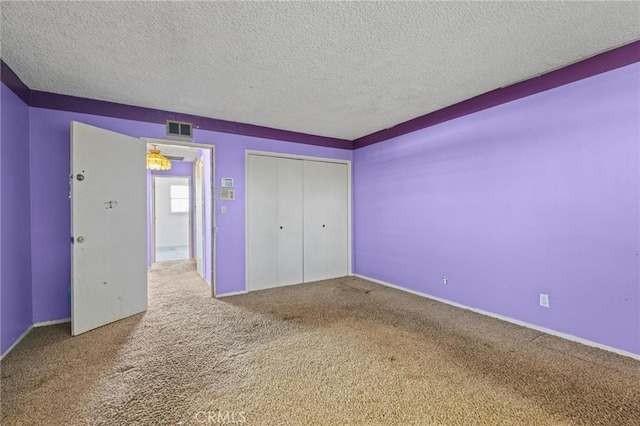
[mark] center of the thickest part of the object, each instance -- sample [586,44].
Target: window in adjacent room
[179,199]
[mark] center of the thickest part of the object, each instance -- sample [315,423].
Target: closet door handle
[323,226]
[281,227]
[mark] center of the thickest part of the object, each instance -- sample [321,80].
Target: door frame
[154,223]
[197,164]
[249,152]
[214,228]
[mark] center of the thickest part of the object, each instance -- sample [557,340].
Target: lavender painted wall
[49,142]
[15,287]
[539,195]
[178,168]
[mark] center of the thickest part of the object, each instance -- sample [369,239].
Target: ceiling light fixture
[157,161]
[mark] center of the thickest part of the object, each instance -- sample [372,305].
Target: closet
[297,220]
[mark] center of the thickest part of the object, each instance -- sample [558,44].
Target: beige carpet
[339,352]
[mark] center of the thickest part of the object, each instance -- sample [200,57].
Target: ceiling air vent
[179,129]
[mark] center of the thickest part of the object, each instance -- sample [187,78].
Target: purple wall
[539,195]
[178,168]
[15,287]
[49,141]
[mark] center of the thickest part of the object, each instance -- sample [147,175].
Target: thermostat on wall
[226,183]
[227,194]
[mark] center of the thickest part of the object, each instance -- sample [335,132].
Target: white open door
[199,209]
[108,227]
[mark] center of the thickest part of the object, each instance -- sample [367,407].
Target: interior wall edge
[16,287]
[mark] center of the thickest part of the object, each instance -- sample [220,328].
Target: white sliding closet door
[262,222]
[326,220]
[274,222]
[289,241]
[337,229]
[315,222]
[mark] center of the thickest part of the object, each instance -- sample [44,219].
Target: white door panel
[337,229]
[108,221]
[315,216]
[289,241]
[325,220]
[262,222]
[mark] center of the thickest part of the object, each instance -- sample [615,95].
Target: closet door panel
[289,228]
[315,215]
[337,220]
[262,222]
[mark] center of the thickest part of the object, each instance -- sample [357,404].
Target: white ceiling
[341,69]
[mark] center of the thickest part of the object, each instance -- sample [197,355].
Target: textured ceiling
[341,69]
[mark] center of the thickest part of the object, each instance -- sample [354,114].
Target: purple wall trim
[13,82]
[110,109]
[607,61]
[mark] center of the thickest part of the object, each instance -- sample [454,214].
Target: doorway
[172,217]
[180,206]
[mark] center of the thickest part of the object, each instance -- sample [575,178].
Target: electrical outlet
[445,281]
[223,209]
[544,300]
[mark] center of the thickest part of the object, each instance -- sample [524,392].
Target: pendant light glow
[157,161]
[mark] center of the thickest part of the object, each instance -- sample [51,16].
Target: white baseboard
[14,344]
[508,319]
[233,293]
[54,322]
[31,327]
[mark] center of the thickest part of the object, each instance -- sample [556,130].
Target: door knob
[281,227]
[80,239]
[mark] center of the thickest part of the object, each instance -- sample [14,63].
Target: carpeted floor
[339,352]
